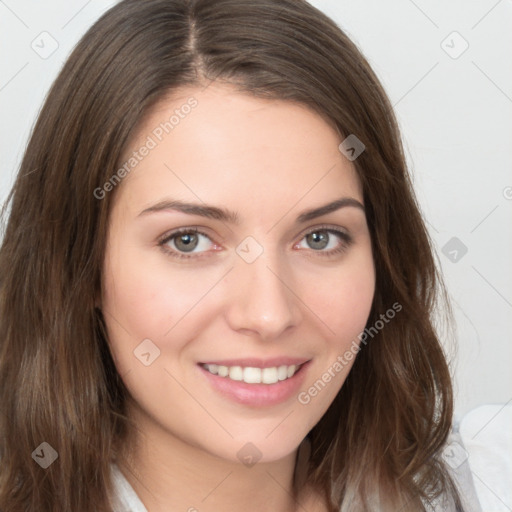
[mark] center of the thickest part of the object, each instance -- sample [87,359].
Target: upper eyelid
[168,235]
[325,227]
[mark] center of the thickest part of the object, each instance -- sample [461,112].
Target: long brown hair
[378,446]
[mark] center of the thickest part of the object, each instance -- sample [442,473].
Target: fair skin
[303,300]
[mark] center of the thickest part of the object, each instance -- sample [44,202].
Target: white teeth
[282,372]
[269,375]
[252,375]
[213,368]
[291,370]
[236,373]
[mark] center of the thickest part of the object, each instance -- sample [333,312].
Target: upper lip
[255,362]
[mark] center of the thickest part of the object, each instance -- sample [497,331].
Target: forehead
[223,146]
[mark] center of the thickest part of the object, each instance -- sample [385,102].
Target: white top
[126,499]
[455,454]
[487,434]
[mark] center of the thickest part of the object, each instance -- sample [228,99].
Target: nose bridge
[262,302]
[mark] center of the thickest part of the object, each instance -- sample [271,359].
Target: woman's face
[237,245]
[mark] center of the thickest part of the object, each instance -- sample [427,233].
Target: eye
[325,240]
[187,241]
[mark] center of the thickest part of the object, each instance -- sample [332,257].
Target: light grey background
[455,111]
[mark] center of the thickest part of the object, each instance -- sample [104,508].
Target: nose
[262,300]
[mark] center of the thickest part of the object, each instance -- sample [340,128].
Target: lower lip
[257,395]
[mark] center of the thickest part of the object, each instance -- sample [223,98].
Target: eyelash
[346,241]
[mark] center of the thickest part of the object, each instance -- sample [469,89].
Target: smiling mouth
[253,375]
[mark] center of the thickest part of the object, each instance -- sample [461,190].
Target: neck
[169,474]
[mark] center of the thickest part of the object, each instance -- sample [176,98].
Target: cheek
[140,288]
[342,299]
[343,303]
[146,296]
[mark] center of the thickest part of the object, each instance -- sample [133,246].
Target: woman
[216,286]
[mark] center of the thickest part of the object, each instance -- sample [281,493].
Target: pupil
[318,240]
[187,242]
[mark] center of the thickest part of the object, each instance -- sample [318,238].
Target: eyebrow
[203,210]
[216,213]
[328,208]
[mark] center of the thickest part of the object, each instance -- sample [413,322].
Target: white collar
[125,498]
